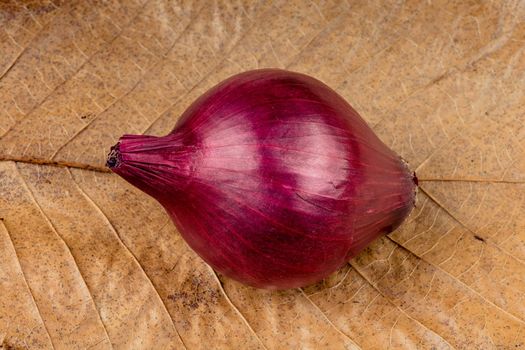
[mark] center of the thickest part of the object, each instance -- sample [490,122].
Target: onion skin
[272,178]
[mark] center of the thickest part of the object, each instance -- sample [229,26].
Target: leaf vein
[28,287]
[115,232]
[235,309]
[53,228]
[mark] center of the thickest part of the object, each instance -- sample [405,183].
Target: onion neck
[159,166]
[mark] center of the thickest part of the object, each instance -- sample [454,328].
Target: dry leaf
[90,262]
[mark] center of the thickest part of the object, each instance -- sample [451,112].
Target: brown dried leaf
[90,262]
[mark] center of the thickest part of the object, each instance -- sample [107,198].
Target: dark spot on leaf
[479,238]
[197,293]
[7,345]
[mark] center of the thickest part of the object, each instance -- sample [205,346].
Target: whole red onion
[272,178]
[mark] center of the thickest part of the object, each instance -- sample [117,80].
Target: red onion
[272,178]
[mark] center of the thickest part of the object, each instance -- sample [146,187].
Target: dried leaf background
[89,262]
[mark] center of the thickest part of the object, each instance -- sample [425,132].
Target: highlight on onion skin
[272,178]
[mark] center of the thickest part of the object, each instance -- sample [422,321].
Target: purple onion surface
[272,178]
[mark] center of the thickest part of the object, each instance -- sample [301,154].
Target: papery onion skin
[272,178]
